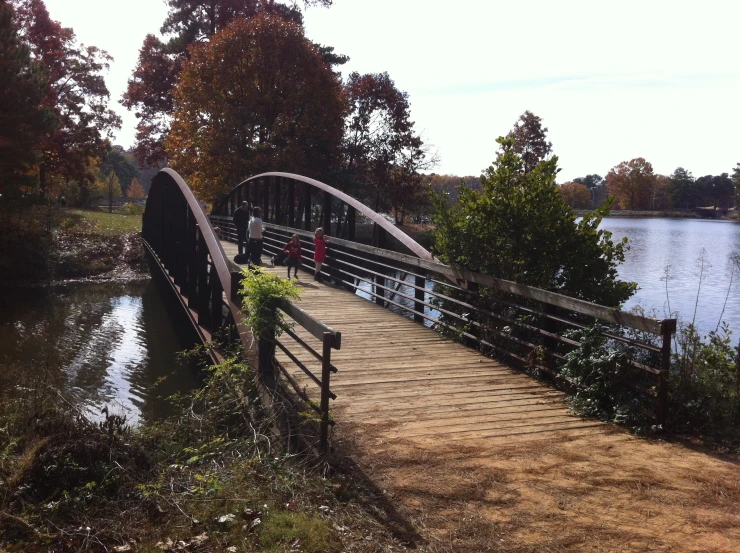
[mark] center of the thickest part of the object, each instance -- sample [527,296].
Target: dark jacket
[241,218]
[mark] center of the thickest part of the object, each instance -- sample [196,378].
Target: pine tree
[112,189]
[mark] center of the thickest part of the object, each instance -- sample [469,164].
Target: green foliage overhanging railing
[182,243]
[526,325]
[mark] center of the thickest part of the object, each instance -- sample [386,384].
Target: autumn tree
[590,181]
[23,119]
[530,140]
[257,97]
[111,189]
[188,22]
[135,190]
[576,195]
[382,154]
[631,183]
[76,94]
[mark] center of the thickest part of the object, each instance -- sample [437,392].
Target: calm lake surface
[677,244]
[109,343]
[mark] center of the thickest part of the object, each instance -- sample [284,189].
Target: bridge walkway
[399,379]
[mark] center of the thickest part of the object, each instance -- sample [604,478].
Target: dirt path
[475,456]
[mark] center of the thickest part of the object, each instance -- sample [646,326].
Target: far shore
[733,215]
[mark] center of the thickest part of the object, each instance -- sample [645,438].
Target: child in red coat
[319,254]
[293,249]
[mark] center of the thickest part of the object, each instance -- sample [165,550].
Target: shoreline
[628,213]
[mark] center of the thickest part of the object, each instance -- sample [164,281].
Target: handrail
[381,221]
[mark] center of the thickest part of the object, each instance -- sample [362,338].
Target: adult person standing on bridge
[241,221]
[255,236]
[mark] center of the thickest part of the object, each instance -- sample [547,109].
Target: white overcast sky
[611,80]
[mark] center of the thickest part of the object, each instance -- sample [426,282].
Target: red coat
[319,253]
[293,250]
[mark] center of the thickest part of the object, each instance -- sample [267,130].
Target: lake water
[109,343]
[676,245]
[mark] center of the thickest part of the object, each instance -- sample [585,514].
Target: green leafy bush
[598,370]
[262,292]
[517,227]
[705,382]
[132,209]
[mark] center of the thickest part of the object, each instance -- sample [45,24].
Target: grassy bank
[61,244]
[207,479]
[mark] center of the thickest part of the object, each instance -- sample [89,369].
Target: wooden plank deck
[469,455]
[399,379]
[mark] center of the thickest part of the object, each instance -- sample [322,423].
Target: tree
[519,228]
[188,22]
[135,190]
[590,181]
[716,190]
[736,181]
[576,195]
[120,164]
[76,94]
[257,97]
[23,119]
[631,183]
[382,155]
[111,190]
[682,189]
[530,141]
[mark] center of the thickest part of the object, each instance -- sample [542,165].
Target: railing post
[351,212]
[266,199]
[278,212]
[380,239]
[291,203]
[327,213]
[667,328]
[419,295]
[325,392]
[217,312]
[192,260]
[204,315]
[307,206]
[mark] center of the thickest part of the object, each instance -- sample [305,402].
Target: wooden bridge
[425,373]
[392,336]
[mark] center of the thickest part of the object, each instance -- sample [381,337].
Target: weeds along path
[479,457]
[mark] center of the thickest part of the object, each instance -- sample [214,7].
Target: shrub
[262,292]
[132,209]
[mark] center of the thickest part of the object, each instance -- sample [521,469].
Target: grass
[103,222]
[60,244]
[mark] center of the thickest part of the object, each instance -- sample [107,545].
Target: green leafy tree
[519,228]
[682,189]
[591,181]
[121,164]
[112,189]
[530,140]
[736,181]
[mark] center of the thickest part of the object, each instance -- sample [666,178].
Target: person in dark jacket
[241,222]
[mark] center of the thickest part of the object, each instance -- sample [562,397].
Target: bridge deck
[468,451]
[398,376]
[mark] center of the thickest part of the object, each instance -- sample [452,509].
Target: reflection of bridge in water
[392,369]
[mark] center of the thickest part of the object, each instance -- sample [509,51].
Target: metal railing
[526,325]
[184,246]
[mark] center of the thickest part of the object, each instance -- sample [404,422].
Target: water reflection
[109,342]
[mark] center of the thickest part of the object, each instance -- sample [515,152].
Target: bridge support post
[420,282]
[668,328]
[278,212]
[351,218]
[325,392]
[266,199]
[204,316]
[216,300]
